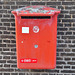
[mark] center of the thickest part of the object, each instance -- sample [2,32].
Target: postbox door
[36,42]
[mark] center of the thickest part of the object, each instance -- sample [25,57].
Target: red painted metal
[39,42]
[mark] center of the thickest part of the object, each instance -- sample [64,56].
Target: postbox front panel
[36,42]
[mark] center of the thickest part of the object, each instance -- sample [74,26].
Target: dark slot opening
[35,17]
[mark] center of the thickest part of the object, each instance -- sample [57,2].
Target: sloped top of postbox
[36,11]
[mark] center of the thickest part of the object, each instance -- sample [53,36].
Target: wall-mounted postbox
[36,35]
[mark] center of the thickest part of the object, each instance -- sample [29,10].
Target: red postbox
[36,35]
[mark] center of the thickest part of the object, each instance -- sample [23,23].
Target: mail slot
[36,35]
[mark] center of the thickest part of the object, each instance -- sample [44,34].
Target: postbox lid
[36,11]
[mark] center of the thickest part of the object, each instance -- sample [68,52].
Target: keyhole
[36,46]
